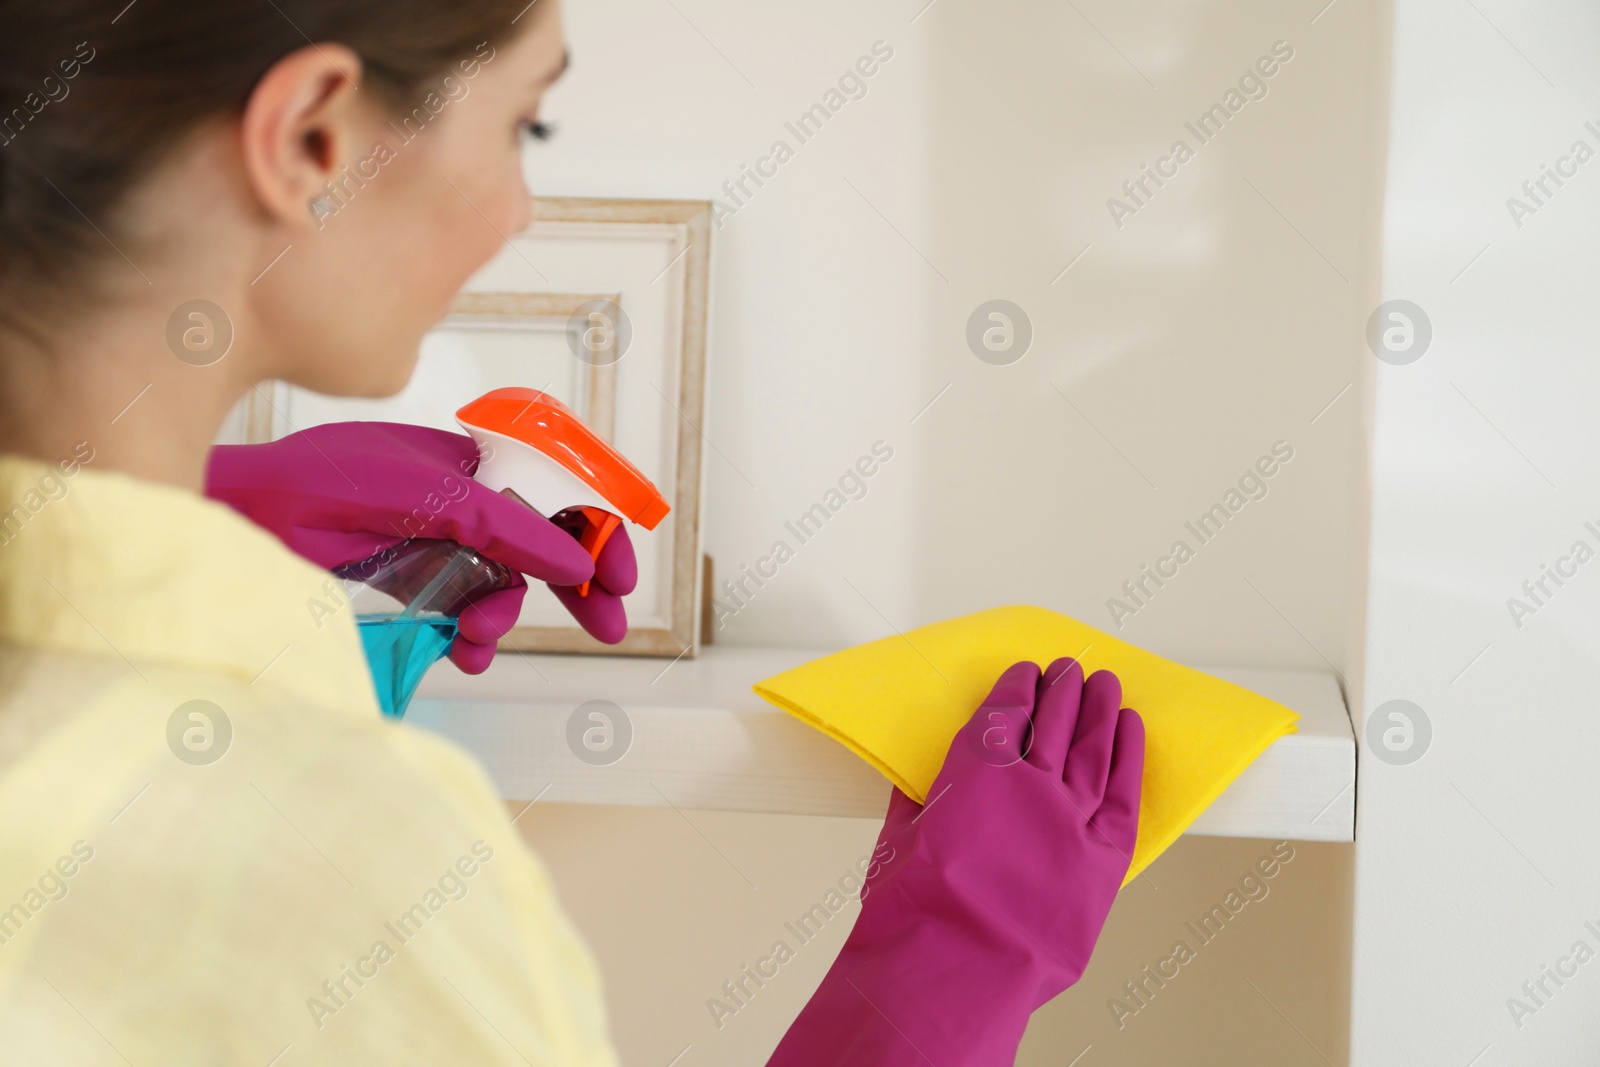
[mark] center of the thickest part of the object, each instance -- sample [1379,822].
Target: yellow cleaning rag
[898,702]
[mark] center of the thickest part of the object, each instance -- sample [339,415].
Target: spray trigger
[592,527]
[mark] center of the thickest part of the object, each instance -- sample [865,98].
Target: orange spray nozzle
[532,445]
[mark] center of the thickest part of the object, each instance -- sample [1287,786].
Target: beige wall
[1286,950]
[1189,340]
[665,903]
[1224,316]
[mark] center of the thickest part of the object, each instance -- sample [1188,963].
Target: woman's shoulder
[235,844]
[89,745]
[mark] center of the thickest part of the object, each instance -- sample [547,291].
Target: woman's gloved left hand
[987,901]
[340,492]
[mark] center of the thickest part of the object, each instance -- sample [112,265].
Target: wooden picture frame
[668,311]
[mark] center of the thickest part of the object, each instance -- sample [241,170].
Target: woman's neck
[116,385]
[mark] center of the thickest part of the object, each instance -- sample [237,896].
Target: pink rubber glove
[987,901]
[338,493]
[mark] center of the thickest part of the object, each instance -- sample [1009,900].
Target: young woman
[215,850]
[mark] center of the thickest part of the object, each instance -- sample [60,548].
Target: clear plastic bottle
[407,601]
[532,448]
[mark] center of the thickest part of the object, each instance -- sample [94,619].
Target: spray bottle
[532,448]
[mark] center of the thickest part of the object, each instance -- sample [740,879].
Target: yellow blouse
[215,850]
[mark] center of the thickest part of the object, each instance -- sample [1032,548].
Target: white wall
[1475,868]
[1224,316]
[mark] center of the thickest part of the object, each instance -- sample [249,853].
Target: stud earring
[321,207]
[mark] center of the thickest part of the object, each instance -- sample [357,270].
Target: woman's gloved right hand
[986,902]
[340,492]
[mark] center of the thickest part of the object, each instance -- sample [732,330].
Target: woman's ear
[299,127]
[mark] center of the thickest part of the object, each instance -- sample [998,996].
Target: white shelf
[702,739]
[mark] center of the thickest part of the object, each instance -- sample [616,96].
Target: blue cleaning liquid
[400,651]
